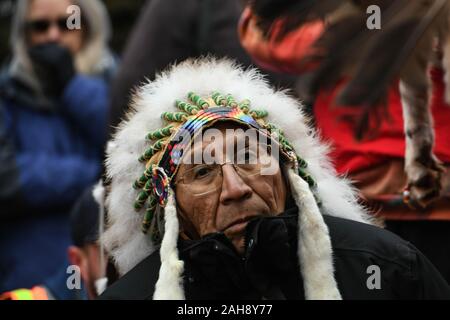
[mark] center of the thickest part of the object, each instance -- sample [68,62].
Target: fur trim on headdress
[169,285]
[128,245]
[314,246]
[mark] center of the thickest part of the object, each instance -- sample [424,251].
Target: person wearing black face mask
[53,118]
[53,65]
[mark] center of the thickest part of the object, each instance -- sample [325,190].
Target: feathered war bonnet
[140,165]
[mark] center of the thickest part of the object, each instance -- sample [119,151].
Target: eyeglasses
[204,179]
[42,25]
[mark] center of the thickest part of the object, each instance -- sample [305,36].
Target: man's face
[43,17]
[237,199]
[87,258]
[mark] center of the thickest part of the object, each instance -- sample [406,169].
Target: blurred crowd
[63,91]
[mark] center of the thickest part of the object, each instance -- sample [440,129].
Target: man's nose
[53,33]
[233,186]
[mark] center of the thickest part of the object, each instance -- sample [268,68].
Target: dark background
[123,14]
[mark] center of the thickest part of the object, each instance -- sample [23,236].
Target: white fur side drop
[314,245]
[169,285]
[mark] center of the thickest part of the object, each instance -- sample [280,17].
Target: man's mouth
[238,226]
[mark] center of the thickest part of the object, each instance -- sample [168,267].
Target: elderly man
[240,202]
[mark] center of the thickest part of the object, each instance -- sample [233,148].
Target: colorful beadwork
[139,183]
[258,114]
[195,98]
[150,152]
[186,107]
[161,185]
[175,116]
[149,213]
[230,101]
[219,99]
[140,200]
[245,106]
[160,133]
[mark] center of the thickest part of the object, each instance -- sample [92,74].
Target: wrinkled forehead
[227,134]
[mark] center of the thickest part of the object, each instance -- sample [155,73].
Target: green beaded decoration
[195,98]
[259,114]
[139,183]
[175,116]
[285,144]
[305,176]
[149,213]
[148,186]
[150,152]
[281,137]
[230,101]
[140,200]
[273,128]
[302,163]
[160,133]
[245,106]
[148,173]
[287,148]
[147,155]
[186,107]
[219,99]
[158,145]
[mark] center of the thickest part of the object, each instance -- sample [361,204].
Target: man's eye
[201,172]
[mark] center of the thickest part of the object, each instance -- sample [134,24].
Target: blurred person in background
[53,111]
[85,253]
[170,31]
[86,222]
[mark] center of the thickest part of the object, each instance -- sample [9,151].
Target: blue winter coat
[47,158]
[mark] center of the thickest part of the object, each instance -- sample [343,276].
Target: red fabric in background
[279,55]
[350,155]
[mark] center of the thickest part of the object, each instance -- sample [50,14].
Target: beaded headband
[162,158]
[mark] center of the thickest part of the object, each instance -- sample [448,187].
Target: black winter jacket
[370,263]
